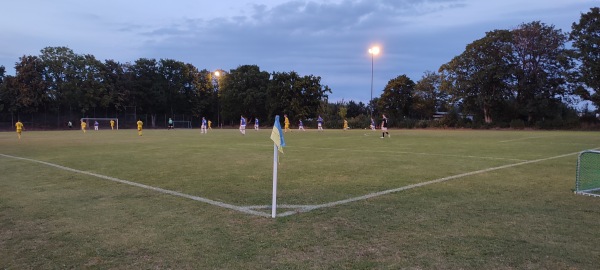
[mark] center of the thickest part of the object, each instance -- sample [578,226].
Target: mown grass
[519,217]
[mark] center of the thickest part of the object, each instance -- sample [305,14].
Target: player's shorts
[242,126]
[319,125]
[383,128]
[139,129]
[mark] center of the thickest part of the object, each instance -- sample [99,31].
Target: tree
[428,97]
[586,43]
[115,80]
[199,93]
[356,109]
[146,85]
[2,74]
[541,66]
[27,92]
[60,76]
[298,97]
[87,84]
[244,91]
[342,111]
[479,78]
[397,97]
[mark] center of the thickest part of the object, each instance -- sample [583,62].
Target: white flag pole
[274,207]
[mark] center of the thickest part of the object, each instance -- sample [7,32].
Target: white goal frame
[182,124]
[584,169]
[88,119]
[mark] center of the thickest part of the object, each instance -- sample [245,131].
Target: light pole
[372,51]
[217,74]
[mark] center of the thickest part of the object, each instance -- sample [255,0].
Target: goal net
[103,123]
[588,173]
[182,124]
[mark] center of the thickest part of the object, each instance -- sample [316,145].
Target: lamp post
[217,74]
[372,51]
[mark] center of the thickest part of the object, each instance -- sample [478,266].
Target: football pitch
[178,199]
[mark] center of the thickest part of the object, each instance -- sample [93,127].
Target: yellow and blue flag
[277,135]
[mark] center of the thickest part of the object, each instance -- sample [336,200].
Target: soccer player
[112,124]
[372,124]
[243,125]
[384,126]
[170,126]
[139,126]
[83,125]
[96,125]
[209,124]
[319,124]
[301,125]
[19,127]
[286,123]
[345,124]
[256,123]
[203,126]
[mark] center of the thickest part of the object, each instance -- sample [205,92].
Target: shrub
[517,124]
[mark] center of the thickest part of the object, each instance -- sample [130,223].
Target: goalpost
[182,124]
[588,173]
[104,123]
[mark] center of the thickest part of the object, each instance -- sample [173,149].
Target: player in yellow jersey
[83,125]
[19,127]
[345,124]
[112,124]
[209,124]
[139,126]
[286,123]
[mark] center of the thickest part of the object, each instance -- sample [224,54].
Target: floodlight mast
[372,51]
[217,74]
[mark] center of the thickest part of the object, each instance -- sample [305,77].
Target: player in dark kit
[384,125]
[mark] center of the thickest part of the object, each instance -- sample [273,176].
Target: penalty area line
[307,208]
[161,190]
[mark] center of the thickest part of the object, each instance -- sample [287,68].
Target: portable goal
[588,173]
[104,122]
[182,124]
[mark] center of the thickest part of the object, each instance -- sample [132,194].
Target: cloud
[324,38]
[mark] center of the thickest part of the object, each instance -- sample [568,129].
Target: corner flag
[277,135]
[278,144]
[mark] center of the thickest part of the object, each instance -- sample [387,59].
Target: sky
[328,38]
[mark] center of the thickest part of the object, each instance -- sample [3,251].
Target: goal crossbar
[88,119]
[182,124]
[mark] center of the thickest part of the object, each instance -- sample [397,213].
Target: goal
[103,123]
[588,173]
[182,124]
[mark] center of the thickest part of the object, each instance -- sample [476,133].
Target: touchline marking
[162,190]
[297,208]
[405,152]
[527,138]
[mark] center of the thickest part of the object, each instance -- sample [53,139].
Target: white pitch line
[526,138]
[161,190]
[376,194]
[414,153]
[298,208]
[307,208]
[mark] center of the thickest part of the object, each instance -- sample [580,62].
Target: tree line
[523,77]
[59,80]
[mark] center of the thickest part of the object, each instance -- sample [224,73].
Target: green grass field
[422,199]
